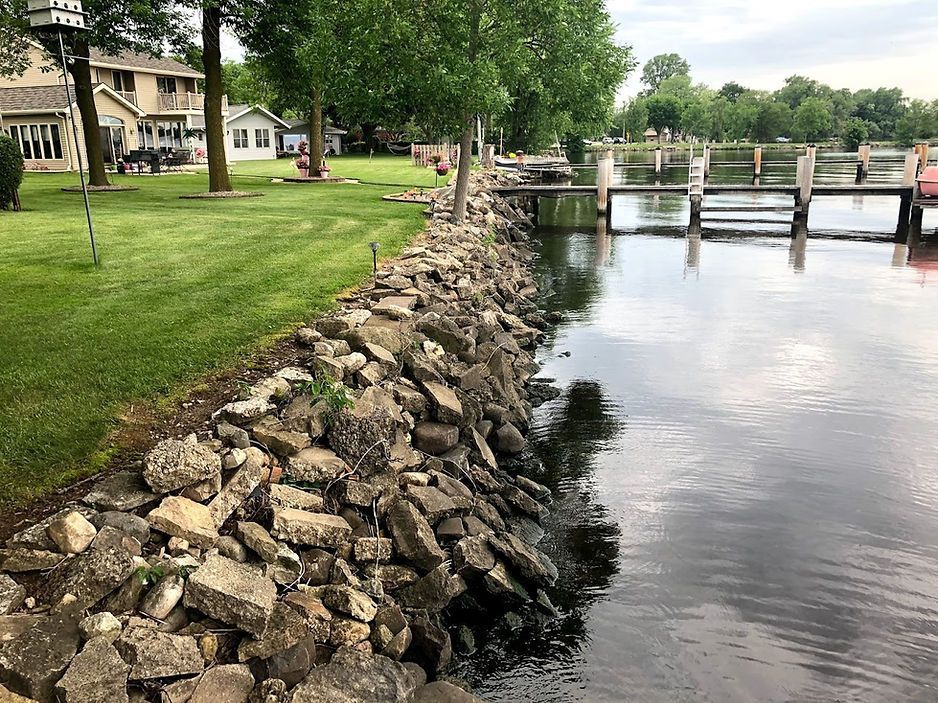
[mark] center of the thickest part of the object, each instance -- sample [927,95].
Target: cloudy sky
[845,43]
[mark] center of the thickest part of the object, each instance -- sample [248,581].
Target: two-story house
[142,103]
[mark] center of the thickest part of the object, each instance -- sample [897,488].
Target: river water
[744,458]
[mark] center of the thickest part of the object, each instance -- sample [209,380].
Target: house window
[118,79]
[165,84]
[37,141]
[262,138]
[145,135]
[170,134]
[240,138]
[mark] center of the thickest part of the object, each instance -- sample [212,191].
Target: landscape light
[65,15]
[374,255]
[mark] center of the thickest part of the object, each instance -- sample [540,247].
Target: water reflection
[743,460]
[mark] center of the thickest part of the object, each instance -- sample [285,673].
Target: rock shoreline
[347,517]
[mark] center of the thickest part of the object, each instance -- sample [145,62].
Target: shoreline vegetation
[729,146]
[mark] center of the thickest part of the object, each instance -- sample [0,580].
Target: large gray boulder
[413,537]
[173,464]
[32,662]
[354,677]
[90,576]
[153,654]
[233,593]
[96,675]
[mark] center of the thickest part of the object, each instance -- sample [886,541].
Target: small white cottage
[250,134]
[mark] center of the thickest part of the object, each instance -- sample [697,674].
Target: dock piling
[603,181]
[905,201]
[757,162]
[706,157]
[658,163]
[804,179]
[863,162]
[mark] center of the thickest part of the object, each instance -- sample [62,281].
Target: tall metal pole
[81,166]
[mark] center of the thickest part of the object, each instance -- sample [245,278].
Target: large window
[118,79]
[169,134]
[262,138]
[145,135]
[240,138]
[37,141]
[166,84]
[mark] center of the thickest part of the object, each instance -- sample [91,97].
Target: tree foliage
[664,111]
[662,67]
[855,133]
[11,172]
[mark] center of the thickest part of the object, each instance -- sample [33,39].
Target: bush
[855,133]
[11,172]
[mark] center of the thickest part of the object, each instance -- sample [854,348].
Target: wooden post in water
[905,201]
[757,161]
[917,212]
[863,162]
[706,155]
[805,180]
[811,151]
[603,180]
[658,163]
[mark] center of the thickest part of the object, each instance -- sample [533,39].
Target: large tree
[812,120]
[112,26]
[661,67]
[664,111]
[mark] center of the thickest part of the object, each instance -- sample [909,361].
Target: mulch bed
[314,179]
[221,195]
[99,189]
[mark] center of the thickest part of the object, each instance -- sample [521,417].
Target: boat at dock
[542,166]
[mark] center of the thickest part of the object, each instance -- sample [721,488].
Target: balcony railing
[128,95]
[171,102]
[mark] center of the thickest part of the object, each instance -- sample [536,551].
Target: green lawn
[185,287]
[382,169]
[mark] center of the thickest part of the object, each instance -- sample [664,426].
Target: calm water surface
[744,460]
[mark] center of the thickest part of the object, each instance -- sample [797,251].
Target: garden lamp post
[374,256]
[64,16]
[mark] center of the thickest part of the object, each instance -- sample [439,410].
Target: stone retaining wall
[314,548]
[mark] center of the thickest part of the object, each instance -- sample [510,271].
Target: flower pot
[304,172]
[928,181]
[324,173]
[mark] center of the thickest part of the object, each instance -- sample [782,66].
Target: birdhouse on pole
[60,15]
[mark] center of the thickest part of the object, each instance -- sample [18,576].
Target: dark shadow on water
[582,540]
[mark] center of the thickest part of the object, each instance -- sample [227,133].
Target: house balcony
[128,95]
[187,102]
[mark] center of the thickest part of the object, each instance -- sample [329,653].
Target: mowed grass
[383,169]
[186,287]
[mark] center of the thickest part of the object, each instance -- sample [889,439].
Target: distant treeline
[801,110]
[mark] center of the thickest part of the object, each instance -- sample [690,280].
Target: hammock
[398,148]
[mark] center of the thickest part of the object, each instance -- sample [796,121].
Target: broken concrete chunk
[173,464]
[285,629]
[153,654]
[315,465]
[241,484]
[413,537]
[186,519]
[435,437]
[447,407]
[72,533]
[229,683]
[233,593]
[292,497]
[32,662]
[123,491]
[311,529]
[96,675]
[12,595]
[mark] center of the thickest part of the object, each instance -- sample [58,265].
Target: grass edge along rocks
[323,542]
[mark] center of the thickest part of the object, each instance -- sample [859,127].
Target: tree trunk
[84,98]
[218,179]
[461,197]
[462,173]
[316,146]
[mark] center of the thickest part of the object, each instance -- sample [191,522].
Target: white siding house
[250,135]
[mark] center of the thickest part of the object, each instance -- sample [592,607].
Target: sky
[844,43]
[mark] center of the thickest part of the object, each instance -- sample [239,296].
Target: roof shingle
[142,61]
[45,97]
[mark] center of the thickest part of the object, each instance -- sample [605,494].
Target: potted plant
[302,161]
[324,170]
[441,168]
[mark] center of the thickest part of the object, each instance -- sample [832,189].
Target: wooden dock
[802,191]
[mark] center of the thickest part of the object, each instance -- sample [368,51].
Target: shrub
[11,172]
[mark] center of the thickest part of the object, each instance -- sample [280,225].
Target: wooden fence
[423,154]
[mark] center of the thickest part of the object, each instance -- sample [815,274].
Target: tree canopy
[661,67]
